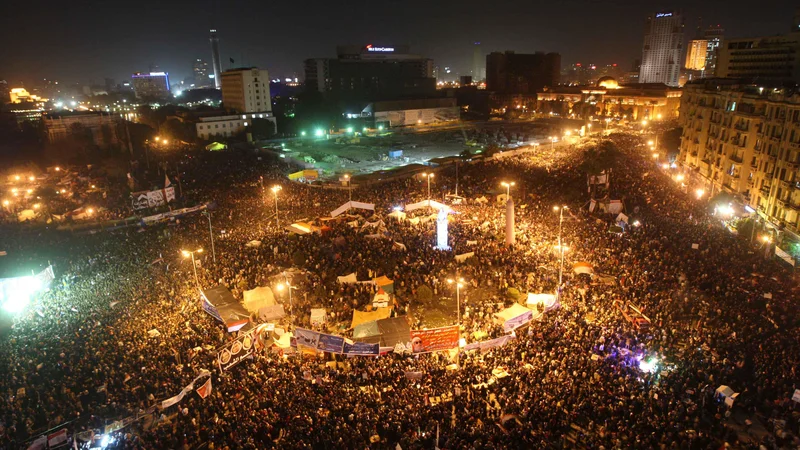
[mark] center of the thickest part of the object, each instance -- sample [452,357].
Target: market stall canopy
[220,304]
[582,267]
[385,283]
[258,298]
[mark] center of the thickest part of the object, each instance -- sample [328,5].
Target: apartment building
[745,139]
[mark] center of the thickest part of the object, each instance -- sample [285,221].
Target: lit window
[244,116]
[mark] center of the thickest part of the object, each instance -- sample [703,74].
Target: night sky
[85,41]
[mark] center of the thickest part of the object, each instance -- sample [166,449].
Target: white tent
[26,214]
[464,256]
[427,203]
[514,317]
[257,298]
[351,204]
[398,215]
[253,244]
[348,279]
[274,312]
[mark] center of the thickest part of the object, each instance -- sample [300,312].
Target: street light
[553,140]
[288,286]
[700,193]
[459,284]
[655,155]
[211,235]
[349,188]
[187,254]
[562,249]
[508,187]
[275,190]
[428,176]
[560,210]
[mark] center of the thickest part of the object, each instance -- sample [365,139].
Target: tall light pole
[560,210]
[561,248]
[553,140]
[189,253]
[275,190]
[288,286]
[767,245]
[349,188]
[211,235]
[508,187]
[428,176]
[459,284]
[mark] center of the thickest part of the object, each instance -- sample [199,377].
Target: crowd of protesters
[81,354]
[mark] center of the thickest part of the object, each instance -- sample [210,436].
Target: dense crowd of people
[81,354]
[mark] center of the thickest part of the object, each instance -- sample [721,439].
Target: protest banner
[235,351]
[330,343]
[435,339]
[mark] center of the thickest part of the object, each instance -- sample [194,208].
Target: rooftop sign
[370,48]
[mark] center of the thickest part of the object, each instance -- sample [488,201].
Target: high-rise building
[775,58]
[661,52]
[696,53]
[370,73]
[478,63]
[741,138]
[153,85]
[713,37]
[200,71]
[216,64]
[518,73]
[246,90]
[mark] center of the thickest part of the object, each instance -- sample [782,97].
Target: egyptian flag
[204,390]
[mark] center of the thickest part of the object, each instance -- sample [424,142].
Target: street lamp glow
[318,132]
[658,117]
[665,166]
[508,187]
[650,143]
[380,127]
[302,133]
[766,239]
[276,188]
[700,193]
[349,129]
[679,177]
[644,123]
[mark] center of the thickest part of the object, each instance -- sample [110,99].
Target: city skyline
[278,38]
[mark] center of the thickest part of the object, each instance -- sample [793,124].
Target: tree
[262,129]
[424,293]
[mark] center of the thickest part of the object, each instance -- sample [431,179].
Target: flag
[39,444]
[166,181]
[204,390]
[231,60]
[57,438]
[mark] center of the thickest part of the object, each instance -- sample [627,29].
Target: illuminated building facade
[610,99]
[200,74]
[246,90]
[662,49]
[152,85]
[774,58]
[696,54]
[745,139]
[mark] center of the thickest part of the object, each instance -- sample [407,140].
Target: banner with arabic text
[434,340]
[235,351]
